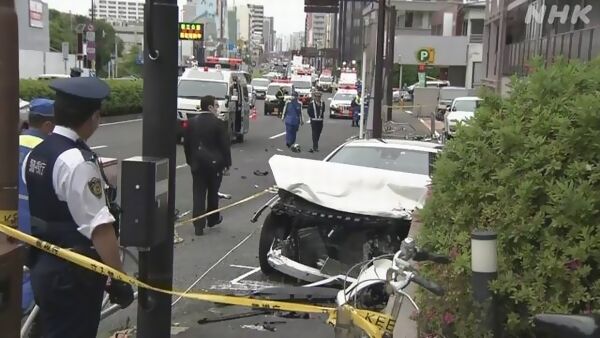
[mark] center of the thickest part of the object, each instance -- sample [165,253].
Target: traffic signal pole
[11,261]
[377,122]
[159,122]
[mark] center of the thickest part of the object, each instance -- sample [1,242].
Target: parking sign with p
[426,55]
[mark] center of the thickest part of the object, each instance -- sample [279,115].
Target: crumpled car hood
[353,189]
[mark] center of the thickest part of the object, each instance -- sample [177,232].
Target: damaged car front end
[319,227]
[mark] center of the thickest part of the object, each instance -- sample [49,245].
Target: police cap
[41,106]
[85,93]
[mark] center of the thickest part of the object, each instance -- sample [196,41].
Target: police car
[303,86]
[340,103]
[271,104]
[228,86]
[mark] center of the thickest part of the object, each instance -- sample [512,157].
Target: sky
[289,14]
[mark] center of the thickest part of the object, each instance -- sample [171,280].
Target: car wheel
[331,116]
[276,228]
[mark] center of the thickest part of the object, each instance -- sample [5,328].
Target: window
[408,19]
[477,26]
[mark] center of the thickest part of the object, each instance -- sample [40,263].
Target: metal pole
[362,94]
[160,96]
[484,266]
[377,123]
[390,61]
[116,60]
[11,262]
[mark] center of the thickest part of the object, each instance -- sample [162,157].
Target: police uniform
[355,110]
[28,140]
[66,201]
[292,117]
[316,111]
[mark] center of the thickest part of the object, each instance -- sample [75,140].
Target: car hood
[341,102]
[361,190]
[262,89]
[459,116]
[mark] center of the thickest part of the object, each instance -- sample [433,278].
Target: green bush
[528,167]
[126,96]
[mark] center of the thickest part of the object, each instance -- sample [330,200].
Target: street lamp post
[377,122]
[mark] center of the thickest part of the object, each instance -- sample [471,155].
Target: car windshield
[401,160]
[260,82]
[343,97]
[197,89]
[466,105]
[325,79]
[302,84]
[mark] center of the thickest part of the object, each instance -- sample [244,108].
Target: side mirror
[453,108]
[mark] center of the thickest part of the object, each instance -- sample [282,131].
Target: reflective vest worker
[69,209]
[41,123]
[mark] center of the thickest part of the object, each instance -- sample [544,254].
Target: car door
[245,109]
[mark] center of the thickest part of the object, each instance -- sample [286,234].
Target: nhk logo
[537,13]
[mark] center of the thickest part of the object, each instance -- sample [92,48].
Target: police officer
[68,208]
[280,95]
[208,153]
[292,117]
[316,111]
[355,105]
[41,123]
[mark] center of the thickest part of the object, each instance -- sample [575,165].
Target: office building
[257,18]
[516,31]
[316,27]
[269,33]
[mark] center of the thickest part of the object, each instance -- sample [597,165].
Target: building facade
[232,25]
[243,16]
[316,27]
[115,11]
[516,31]
[269,33]
[257,18]
[34,25]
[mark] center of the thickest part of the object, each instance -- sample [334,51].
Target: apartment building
[516,31]
[115,11]
[316,30]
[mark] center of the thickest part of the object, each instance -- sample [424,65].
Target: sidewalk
[439,125]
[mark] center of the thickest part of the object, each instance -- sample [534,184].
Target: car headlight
[333,106]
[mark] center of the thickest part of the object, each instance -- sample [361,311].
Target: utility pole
[160,96]
[377,123]
[390,61]
[11,260]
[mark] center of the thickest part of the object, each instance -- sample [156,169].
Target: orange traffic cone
[253,114]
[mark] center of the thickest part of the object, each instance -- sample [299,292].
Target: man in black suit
[208,153]
[316,111]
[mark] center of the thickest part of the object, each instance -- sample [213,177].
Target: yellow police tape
[9,217]
[373,323]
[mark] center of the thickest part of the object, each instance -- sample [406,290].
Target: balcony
[581,45]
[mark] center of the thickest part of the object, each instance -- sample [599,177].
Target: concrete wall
[449,50]
[474,56]
[32,38]
[33,63]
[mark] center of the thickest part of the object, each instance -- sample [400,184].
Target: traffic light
[191,31]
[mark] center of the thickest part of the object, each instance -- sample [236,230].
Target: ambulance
[220,78]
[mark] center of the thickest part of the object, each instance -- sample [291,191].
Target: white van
[227,86]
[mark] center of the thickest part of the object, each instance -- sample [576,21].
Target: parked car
[360,206]
[260,87]
[462,109]
[271,103]
[447,95]
[340,103]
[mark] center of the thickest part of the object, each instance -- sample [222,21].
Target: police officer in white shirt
[69,209]
[316,111]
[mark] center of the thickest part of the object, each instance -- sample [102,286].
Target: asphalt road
[196,254]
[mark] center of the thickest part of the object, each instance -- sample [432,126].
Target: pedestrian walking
[355,106]
[68,208]
[208,153]
[41,124]
[292,117]
[316,111]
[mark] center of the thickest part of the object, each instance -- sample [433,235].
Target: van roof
[198,74]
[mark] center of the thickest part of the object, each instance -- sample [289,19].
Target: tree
[128,65]
[62,29]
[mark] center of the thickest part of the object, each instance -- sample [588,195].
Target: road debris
[261,173]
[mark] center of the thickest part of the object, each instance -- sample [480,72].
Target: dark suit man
[208,153]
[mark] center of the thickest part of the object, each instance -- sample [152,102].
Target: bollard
[432,125]
[484,266]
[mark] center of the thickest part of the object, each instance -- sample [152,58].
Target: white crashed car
[461,110]
[358,207]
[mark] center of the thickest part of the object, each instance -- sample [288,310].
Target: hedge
[125,98]
[528,167]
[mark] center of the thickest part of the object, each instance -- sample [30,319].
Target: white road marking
[242,266]
[249,273]
[244,240]
[276,136]
[98,147]
[119,122]
[181,166]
